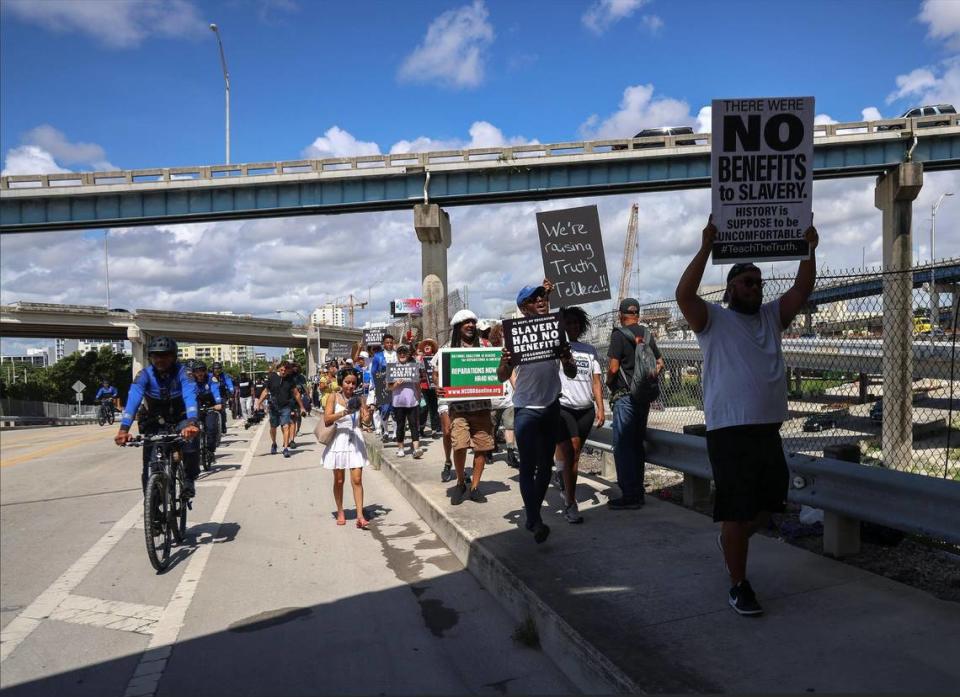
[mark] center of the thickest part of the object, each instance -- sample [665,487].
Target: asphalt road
[268,595]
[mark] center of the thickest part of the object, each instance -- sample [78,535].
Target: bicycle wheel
[101,419]
[156,520]
[110,417]
[178,512]
[204,455]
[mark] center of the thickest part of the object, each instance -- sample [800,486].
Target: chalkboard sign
[428,368]
[380,391]
[533,339]
[373,337]
[762,178]
[340,349]
[403,372]
[572,249]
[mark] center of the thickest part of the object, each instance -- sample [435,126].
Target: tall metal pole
[226,82]
[106,266]
[934,296]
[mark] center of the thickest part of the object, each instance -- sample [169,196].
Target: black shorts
[749,470]
[576,423]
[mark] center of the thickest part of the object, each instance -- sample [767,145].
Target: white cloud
[871,113]
[943,18]
[638,110]
[482,135]
[603,14]
[115,23]
[653,23]
[705,120]
[914,82]
[337,142]
[46,150]
[453,52]
[939,84]
[823,119]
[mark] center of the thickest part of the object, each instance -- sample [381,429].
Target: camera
[255,418]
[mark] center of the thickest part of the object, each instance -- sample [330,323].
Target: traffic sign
[78,387]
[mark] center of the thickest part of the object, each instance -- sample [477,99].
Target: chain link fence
[870,367]
[413,325]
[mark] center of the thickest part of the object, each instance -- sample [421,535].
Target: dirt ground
[932,566]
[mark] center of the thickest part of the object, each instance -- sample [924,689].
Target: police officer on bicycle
[225,385]
[105,396]
[170,396]
[208,399]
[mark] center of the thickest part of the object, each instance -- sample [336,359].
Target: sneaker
[572,514]
[291,444]
[401,452]
[541,531]
[447,474]
[476,496]
[418,453]
[722,553]
[743,600]
[427,431]
[513,458]
[459,494]
[189,489]
[286,452]
[624,504]
[273,449]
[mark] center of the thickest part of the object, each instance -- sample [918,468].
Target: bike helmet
[217,365]
[198,365]
[162,344]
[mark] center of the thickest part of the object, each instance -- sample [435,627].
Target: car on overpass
[664,131]
[928,110]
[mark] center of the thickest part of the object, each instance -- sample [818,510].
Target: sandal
[363,524]
[341,519]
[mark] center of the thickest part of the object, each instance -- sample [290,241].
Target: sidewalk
[637,600]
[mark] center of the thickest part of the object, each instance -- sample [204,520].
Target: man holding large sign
[572,249]
[762,178]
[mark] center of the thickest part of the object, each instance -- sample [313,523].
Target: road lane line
[43,606]
[154,659]
[50,449]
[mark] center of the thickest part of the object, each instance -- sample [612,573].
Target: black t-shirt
[623,350]
[281,389]
[245,386]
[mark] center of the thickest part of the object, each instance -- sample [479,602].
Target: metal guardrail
[908,502]
[405,162]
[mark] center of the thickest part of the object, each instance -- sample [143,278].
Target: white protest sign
[762,178]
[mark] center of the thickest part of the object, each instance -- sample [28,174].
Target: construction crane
[629,250]
[351,305]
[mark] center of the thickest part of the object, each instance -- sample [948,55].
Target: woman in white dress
[347,450]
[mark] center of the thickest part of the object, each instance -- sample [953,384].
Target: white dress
[347,450]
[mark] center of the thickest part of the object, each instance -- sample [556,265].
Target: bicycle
[105,413]
[164,503]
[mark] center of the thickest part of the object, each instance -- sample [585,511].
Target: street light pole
[226,82]
[934,297]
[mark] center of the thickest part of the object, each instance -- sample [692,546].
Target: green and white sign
[469,373]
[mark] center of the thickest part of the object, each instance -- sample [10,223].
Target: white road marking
[110,614]
[165,632]
[49,600]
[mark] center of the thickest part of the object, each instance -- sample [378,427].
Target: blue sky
[91,84]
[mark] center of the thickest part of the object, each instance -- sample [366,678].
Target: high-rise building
[225,353]
[115,345]
[35,359]
[64,347]
[329,315]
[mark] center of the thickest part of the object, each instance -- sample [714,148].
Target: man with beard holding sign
[536,401]
[744,399]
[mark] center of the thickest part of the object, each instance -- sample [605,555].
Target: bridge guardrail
[527,154]
[907,502]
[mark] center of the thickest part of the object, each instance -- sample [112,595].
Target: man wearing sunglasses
[744,399]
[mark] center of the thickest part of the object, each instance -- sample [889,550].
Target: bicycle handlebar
[140,441]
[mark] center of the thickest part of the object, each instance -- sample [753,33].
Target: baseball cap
[350,361]
[738,269]
[528,292]
[403,348]
[364,354]
[483,325]
[629,305]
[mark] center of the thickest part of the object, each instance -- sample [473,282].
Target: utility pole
[226,81]
[934,296]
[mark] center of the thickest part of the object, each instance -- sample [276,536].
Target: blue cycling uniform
[208,394]
[171,399]
[105,392]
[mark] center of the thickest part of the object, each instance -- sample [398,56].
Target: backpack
[644,385]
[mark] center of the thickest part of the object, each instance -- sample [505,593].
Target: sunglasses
[539,295]
[750,282]
[631,312]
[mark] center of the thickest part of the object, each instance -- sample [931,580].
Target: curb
[589,669]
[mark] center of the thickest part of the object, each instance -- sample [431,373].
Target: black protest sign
[762,178]
[340,349]
[533,339]
[380,391]
[572,249]
[403,372]
[373,337]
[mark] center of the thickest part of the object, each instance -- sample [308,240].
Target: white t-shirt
[577,393]
[744,377]
[390,357]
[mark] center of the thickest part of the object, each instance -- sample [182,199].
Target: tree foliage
[54,384]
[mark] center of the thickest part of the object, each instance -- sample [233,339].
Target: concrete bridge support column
[139,340]
[894,195]
[313,356]
[433,230]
